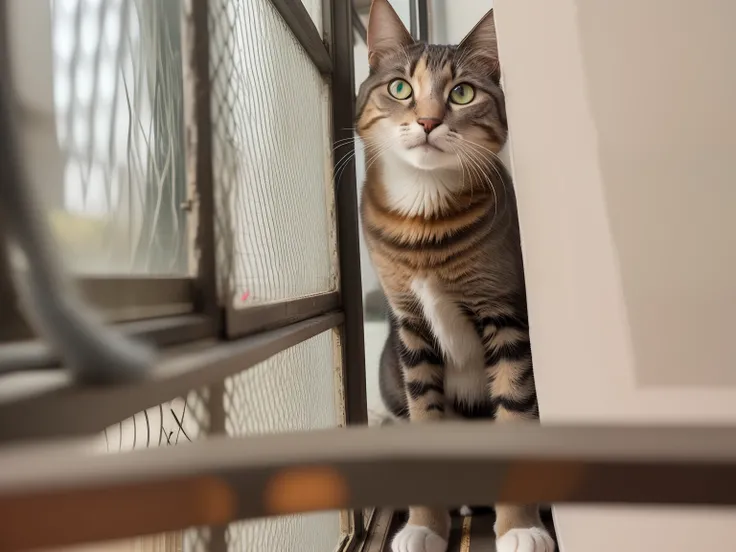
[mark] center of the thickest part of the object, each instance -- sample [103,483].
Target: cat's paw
[532,539]
[413,538]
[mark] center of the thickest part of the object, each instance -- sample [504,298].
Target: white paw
[413,538]
[533,539]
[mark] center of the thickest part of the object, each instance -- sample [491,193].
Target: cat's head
[431,106]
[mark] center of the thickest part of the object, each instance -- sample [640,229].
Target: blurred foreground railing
[53,495]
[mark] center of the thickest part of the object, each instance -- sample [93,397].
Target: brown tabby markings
[439,218]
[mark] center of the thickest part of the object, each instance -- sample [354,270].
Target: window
[118,106]
[191,187]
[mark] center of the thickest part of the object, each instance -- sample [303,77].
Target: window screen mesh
[293,391]
[272,157]
[117,102]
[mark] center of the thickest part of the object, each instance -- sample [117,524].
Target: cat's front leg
[428,529]
[519,528]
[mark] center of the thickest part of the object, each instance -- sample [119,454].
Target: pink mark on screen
[245,295]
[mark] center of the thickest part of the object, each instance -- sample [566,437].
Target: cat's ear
[481,41]
[386,32]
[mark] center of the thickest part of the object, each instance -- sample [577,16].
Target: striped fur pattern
[439,218]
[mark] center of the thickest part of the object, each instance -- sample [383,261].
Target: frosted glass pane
[294,390]
[115,192]
[272,157]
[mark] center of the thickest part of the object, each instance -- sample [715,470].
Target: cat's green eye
[462,94]
[400,89]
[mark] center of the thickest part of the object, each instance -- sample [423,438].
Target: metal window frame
[422,20]
[126,298]
[191,311]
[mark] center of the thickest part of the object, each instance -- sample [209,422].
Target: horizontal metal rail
[56,495]
[123,298]
[258,318]
[302,27]
[50,404]
[162,332]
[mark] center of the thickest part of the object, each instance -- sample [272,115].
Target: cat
[94,352]
[439,217]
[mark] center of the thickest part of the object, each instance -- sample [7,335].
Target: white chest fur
[417,192]
[465,377]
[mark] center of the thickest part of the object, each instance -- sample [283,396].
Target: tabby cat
[439,218]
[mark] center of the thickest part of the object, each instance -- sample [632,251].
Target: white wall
[461,16]
[621,133]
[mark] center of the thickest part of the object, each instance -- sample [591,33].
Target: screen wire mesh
[295,390]
[272,157]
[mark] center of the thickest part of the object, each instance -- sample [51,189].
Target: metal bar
[249,320]
[162,332]
[202,196]
[13,325]
[413,19]
[343,117]
[198,122]
[50,496]
[378,533]
[423,20]
[302,27]
[134,298]
[340,38]
[117,298]
[49,404]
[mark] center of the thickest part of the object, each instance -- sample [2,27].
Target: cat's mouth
[427,147]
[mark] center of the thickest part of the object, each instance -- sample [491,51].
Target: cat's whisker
[344,162]
[341,167]
[483,177]
[490,152]
[482,152]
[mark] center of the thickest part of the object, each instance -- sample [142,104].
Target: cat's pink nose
[429,123]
